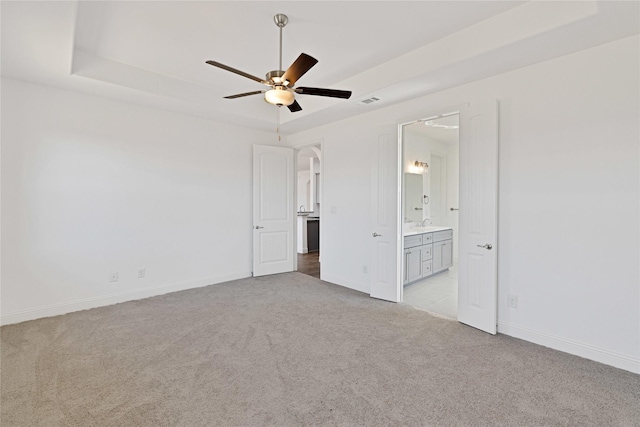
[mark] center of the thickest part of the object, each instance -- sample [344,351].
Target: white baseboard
[101,301]
[360,287]
[622,361]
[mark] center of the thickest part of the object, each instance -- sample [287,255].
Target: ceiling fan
[281,82]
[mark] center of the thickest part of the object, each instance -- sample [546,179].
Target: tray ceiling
[154,52]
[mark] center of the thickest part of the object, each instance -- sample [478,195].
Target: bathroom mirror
[413,207]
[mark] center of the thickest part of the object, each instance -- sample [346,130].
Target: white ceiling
[153,52]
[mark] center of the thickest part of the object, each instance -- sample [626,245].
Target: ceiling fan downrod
[281,20]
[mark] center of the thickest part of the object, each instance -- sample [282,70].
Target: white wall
[347,212]
[92,186]
[568,198]
[302,198]
[314,176]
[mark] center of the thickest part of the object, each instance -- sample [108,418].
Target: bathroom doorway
[308,202]
[430,196]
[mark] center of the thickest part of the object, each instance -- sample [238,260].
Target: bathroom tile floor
[437,294]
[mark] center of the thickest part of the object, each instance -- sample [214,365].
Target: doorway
[308,201]
[430,197]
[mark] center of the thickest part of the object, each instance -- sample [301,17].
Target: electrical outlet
[141,273]
[113,277]
[512,300]
[365,269]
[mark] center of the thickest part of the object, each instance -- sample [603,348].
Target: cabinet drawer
[427,252]
[427,238]
[413,241]
[439,236]
[427,268]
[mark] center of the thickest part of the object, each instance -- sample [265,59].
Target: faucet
[424,222]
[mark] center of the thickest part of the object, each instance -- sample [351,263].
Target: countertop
[419,230]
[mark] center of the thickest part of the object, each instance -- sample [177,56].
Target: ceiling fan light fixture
[279,96]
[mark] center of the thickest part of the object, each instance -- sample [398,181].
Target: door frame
[315,143]
[466,113]
[431,114]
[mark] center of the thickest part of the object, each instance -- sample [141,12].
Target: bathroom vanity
[427,251]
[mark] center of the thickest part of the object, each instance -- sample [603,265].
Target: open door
[477,263]
[273,211]
[384,238]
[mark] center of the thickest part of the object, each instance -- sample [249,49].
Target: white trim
[334,280]
[618,360]
[88,303]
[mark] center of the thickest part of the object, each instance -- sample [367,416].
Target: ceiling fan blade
[233,70]
[294,107]
[298,68]
[333,93]
[240,95]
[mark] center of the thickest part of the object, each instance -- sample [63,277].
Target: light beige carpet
[290,350]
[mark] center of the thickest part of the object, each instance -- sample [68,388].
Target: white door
[384,249]
[273,211]
[477,275]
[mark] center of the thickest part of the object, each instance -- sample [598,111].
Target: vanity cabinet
[426,254]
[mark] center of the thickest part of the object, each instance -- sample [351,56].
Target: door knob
[258,227]
[376,235]
[487,246]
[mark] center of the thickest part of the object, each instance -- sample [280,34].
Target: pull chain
[278,124]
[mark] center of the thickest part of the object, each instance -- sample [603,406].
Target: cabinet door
[412,265]
[442,255]
[447,254]
[437,257]
[313,235]
[405,267]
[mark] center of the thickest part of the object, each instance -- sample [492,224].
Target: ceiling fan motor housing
[274,78]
